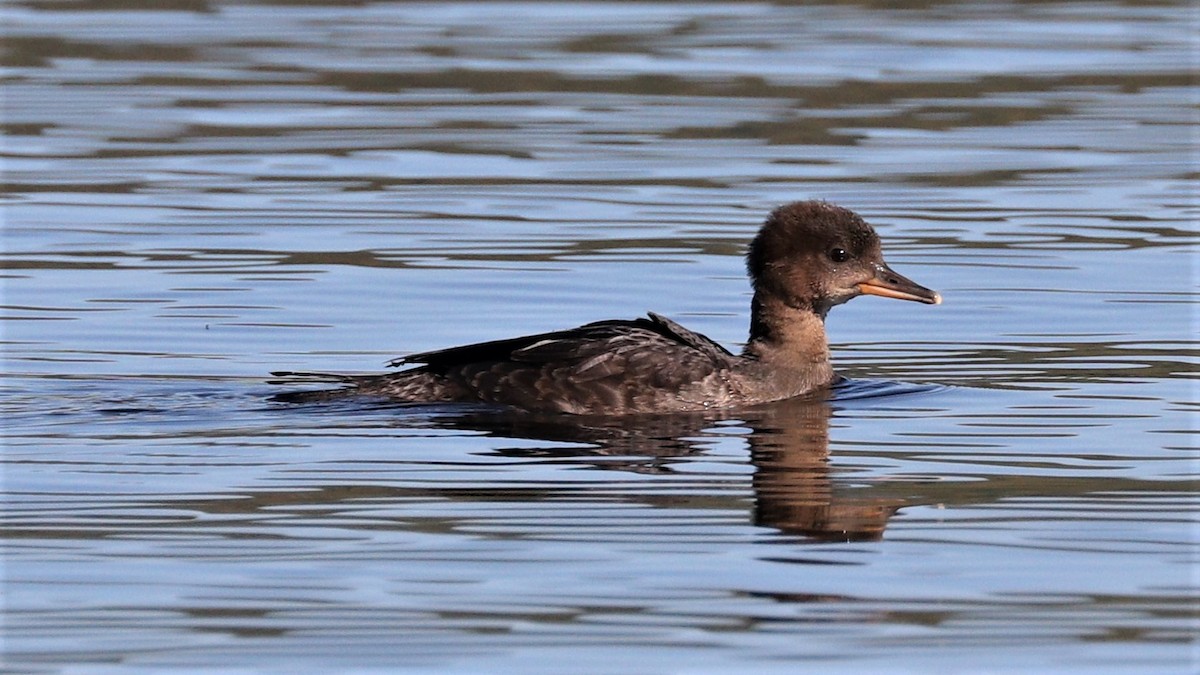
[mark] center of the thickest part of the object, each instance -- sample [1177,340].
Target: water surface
[201,194]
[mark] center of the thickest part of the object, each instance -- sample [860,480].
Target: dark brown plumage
[808,257]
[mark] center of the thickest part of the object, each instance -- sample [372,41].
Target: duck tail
[349,386]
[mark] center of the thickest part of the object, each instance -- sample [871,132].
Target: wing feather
[581,344]
[606,365]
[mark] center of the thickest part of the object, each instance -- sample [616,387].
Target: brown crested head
[814,255]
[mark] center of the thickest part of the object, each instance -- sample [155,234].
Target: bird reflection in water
[795,490]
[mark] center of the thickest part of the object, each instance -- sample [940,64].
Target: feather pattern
[595,367]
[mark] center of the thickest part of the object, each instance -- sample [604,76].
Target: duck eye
[838,255]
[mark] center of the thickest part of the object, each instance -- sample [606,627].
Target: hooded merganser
[808,257]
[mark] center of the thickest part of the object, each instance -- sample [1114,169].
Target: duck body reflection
[794,490]
[807,258]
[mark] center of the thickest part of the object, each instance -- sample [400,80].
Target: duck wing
[606,366]
[576,345]
[693,339]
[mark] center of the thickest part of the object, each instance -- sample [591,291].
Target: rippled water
[199,195]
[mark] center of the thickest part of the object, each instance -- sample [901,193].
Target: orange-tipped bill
[888,284]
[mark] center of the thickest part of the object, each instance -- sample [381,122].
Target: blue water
[198,196]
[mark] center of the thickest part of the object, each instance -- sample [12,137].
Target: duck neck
[787,336]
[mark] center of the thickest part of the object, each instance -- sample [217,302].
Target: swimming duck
[808,257]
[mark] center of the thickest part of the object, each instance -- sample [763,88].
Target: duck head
[812,256]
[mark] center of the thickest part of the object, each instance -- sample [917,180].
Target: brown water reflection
[794,491]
